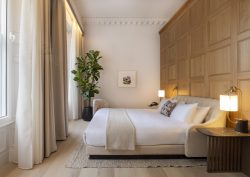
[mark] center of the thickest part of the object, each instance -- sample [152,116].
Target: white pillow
[184,112]
[200,115]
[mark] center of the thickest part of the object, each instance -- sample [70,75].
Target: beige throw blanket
[120,131]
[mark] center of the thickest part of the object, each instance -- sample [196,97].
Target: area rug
[80,159]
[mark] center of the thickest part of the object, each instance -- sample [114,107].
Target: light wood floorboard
[54,166]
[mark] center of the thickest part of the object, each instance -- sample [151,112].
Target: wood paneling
[172,55]
[172,72]
[182,25]
[219,86]
[181,48]
[183,70]
[210,49]
[244,15]
[220,61]
[171,35]
[197,13]
[198,89]
[198,66]
[164,56]
[245,88]
[183,87]
[214,5]
[198,41]
[163,77]
[219,26]
[244,55]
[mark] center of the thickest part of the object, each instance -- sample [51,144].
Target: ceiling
[128,8]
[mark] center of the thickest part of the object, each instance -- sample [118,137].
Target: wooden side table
[224,149]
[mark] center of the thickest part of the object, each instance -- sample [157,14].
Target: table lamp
[229,102]
[161,94]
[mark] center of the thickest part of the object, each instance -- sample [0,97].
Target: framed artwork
[127,79]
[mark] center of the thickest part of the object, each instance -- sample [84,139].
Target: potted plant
[87,74]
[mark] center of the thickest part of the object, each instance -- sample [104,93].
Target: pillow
[168,107]
[200,115]
[163,101]
[184,112]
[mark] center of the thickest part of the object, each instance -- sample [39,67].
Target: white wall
[127,47]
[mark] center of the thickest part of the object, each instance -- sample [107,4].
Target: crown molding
[124,21]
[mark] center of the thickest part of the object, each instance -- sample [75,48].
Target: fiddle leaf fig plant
[87,74]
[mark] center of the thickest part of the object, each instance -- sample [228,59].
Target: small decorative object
[86,75]
[127,79]
[229,102]
[153,104]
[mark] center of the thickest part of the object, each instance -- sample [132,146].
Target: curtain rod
[73,11]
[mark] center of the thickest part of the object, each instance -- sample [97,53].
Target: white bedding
[152,128]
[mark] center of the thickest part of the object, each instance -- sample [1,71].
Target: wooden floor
[54,166]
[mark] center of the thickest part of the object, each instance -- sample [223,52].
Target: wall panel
[214,5]
[219,86]
[183,70]
[172,72]
[219,26]
[245,85]
[198,66]
[197,41]
[244,55]
[182,25]
[244,15]
[220,61]
[182,48]
[197,13]
[198,88]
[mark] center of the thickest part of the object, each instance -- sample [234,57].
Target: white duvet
[152,128]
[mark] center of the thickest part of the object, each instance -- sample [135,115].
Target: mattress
[152,128]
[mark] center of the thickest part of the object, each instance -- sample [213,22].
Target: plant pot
[87,113]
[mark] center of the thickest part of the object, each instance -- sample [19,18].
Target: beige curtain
[49,99]
[59,64]
[41,116]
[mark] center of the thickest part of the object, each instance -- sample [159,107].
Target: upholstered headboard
[212,103]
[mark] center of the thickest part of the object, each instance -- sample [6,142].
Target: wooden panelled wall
[205,49]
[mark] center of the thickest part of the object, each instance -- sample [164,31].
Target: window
[3,59]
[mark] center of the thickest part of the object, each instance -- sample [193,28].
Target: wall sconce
[175,89]
[229,102]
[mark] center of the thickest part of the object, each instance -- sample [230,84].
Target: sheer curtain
[41,116]
[75,49]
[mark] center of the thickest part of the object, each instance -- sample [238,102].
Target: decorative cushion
[163,101]
[168,107]
[200,115]
[184,112]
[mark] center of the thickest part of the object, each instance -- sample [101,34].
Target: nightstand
[224,149]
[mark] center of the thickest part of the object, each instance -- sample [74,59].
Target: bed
[155,134]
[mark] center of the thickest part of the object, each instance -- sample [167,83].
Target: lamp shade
[229,102]
[161,93]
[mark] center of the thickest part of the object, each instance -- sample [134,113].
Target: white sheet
[152,128]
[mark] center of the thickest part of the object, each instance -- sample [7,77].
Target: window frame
[5,119]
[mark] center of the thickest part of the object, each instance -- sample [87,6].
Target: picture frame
[127,79]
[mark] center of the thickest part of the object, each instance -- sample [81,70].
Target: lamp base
[241,126]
